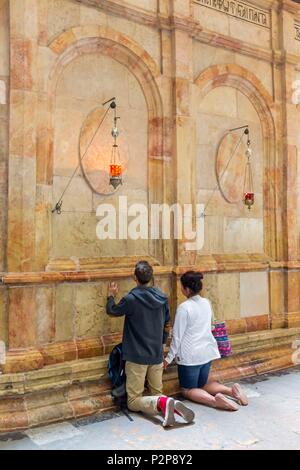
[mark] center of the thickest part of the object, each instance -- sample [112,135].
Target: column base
[79,388]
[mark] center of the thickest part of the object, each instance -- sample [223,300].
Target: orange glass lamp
[115,175]
[248,197]
[115,170]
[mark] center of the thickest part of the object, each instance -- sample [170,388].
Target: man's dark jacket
[147,314]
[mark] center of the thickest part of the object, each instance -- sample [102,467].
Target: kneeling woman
[194,348]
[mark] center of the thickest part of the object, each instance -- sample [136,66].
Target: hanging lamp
[248,191]
[115,167]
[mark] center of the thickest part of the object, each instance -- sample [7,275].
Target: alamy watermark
[159,221]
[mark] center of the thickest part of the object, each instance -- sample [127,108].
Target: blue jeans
[193,376]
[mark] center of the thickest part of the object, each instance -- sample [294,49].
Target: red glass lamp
[248,197]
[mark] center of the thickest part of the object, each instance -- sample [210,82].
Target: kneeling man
[147,316]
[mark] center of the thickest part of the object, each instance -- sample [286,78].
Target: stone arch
[93,38]
[235,76]
[81,40]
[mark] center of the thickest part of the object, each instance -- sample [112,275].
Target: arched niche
[245,83]
[96,41]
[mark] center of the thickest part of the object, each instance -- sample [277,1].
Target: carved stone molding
[205,263]
[88,264]
[81,388]
[194,28]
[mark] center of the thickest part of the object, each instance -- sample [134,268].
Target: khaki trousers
[135,385]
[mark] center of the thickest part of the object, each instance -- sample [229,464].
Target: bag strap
[119,373]
[125,412]
[121,366]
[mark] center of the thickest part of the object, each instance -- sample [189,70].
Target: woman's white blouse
[193,342]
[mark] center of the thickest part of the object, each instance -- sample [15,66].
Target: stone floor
[271,421]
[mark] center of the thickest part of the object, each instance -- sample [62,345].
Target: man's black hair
[143,272]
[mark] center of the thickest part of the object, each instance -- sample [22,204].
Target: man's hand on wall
[113,289]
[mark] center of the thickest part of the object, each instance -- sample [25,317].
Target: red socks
[162,404]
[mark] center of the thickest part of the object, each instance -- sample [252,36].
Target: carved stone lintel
[242,10]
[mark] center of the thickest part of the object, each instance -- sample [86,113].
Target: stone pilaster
[4,126]
[22,140]
[22,167]
[4,117]
[184,130]
[289,136]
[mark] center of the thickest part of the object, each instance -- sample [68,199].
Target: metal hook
[57,207]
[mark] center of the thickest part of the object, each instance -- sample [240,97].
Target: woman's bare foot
[239,395]
[224,403]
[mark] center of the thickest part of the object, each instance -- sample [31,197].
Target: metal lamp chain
[58,205]
[224,171]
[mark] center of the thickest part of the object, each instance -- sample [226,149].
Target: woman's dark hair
[192,280]
[143,272]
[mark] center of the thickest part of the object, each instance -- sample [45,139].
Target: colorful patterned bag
[221,335]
